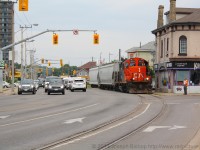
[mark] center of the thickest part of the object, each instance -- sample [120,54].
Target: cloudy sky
[120,24]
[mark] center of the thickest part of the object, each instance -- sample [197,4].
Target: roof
[147,47]
[183,10]
[88,65]
[193,18]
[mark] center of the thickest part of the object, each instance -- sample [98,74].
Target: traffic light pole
[24,40]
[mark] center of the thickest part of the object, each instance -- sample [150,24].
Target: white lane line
[4,117]
[81,108]
[93,134]
[173,103]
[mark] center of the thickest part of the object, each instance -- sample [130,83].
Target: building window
[180,76]
[161,49]
[183,45]
[195,77]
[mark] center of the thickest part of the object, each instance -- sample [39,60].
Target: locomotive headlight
[133,79]
[147,79]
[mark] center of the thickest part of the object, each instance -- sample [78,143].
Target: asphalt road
[32,121]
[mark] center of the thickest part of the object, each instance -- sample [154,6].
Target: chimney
[172,12]
[160,22]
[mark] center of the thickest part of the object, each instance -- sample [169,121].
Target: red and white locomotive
[131,75]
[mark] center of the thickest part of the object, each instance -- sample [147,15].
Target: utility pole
[109,56]
[119,54]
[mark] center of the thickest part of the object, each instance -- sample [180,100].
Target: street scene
[109,75]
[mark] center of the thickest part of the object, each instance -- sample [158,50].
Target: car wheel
[49,93]
[72,90]
[63,92]
[45,90]
[19,93]
[84,90]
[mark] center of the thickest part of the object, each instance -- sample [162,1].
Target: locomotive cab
[137,75]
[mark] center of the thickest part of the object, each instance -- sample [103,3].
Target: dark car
[56,85]
[26,86]
[41,83]
[47,81]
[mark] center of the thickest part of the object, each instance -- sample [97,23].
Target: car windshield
[27,81]
[56,81]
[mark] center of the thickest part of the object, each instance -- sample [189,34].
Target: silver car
[26,86]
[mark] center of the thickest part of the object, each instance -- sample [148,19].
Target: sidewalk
[175,94]
[8,91]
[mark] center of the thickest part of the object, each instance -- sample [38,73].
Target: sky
[120,25]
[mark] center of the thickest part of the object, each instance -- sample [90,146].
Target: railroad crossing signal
[96,38]
[23,5]
[55,39]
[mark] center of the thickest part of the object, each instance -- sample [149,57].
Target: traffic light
[96,38]
[23,5]
[61,62]
[55,39]
[49,63]
[42,60]
[74,72]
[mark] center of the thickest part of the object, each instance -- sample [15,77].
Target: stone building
[177,49]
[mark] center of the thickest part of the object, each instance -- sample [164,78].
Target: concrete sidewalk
[8,91]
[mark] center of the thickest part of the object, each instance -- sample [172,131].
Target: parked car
[56,85]
[26,86]
[6,84]
[78,84]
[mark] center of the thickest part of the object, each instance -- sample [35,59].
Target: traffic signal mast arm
[26,39]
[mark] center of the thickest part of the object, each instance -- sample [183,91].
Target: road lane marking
[101,131]
[173,103]
[153,128]
[74,110]
[4,117]
[177,127]
[80,120]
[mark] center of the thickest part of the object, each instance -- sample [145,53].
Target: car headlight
[50,86]
[62,86]
[32,86]
[20,86]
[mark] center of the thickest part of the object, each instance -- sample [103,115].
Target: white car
[6,84]
[78,84]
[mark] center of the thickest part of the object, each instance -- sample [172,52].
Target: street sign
[75,32]
[2,64]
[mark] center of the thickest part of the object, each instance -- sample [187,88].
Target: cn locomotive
[131,76]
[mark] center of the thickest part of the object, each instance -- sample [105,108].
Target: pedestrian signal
[96,39]
[23,5]
[55,39]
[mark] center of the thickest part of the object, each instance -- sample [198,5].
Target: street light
[26,55]
[22,30]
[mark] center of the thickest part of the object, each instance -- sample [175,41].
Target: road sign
[2,64]
[75,32]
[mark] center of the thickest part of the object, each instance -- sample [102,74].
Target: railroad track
[109,125]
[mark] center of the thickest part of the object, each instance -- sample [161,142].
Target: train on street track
[130,76]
